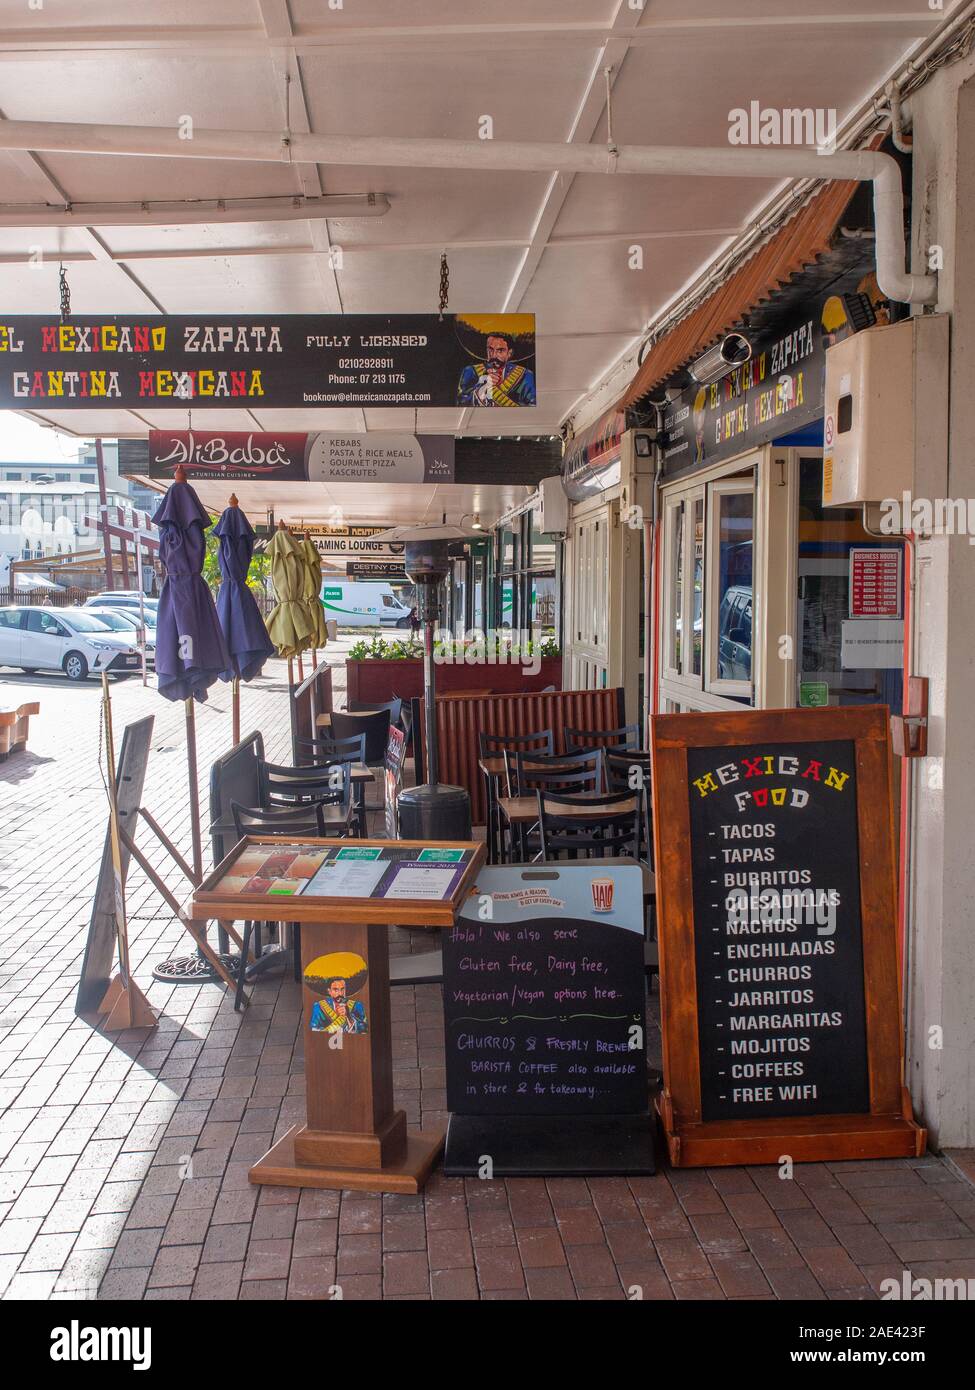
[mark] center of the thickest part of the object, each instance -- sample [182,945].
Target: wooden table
[352,1137]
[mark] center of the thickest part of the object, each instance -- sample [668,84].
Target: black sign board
[777,932]
[778,941]
[286,361]
[544,992]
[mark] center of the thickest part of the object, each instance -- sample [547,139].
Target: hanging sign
[289,361]
[777,928]
[255,456]
[780,389]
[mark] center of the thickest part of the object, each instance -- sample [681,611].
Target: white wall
[941,937]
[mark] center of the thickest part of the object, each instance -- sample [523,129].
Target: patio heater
[433,811]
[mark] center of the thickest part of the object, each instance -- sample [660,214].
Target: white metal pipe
[192,213]
[510,156]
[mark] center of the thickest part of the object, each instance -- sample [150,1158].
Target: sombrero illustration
[337,965]
[473,329]
[336,977]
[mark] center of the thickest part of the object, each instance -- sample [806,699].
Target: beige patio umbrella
[313,594]
[291,626]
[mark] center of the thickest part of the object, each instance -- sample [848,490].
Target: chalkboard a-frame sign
[776,912]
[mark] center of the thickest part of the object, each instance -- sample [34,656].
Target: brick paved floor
[123,1161]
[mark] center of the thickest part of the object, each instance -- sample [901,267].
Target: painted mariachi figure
[335,978]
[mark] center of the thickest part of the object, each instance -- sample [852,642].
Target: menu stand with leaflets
[345,894]
[777,932]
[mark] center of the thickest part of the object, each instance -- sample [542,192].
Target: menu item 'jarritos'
[778,940]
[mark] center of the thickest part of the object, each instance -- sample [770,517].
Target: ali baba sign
[295,360]
[377,457]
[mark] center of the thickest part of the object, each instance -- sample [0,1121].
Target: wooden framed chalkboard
[777,932]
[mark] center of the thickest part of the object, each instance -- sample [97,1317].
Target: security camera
[733,351]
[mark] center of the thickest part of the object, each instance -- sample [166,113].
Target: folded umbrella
[313,591]
[290,625]
[190,649]
[248,643]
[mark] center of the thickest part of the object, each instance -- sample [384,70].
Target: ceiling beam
[385,248]
[36,41]
[28,163]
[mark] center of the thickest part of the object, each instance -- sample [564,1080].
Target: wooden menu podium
[353,1137]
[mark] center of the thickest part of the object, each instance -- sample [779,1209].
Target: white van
[359,603]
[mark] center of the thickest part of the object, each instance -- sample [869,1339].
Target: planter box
[376,682]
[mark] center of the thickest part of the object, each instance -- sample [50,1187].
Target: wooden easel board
[130,774]
[777,931]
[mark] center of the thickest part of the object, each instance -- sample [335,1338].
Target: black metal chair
[283,788]
[375,726]
[610,827]
[630,771]
[324,749]
[394,706]
[293,823]
[493,746]
[626,736]
[572,774]
[527,767]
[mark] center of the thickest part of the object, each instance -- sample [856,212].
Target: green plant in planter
[381,650]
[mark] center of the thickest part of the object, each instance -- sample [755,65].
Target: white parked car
[125,622]
[64,639]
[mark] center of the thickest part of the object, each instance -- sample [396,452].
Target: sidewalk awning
[806,237]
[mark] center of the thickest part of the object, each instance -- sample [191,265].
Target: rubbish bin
[434,813]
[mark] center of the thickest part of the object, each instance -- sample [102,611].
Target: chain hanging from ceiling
[65,294]
[444,282]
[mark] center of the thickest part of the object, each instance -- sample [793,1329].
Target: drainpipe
[509,156]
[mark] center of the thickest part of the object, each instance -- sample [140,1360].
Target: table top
[521,809]
[492,765]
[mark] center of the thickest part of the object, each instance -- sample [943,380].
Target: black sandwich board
[544,1004]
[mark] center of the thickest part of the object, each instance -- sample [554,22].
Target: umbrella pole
[191,768]
[235,700]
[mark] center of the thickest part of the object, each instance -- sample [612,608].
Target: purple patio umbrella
[243,627]
[190,648]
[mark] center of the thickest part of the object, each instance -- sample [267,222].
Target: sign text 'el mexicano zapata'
[294,360]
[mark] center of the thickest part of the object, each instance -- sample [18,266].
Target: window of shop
[849,617]
[708,611]
[527,576]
